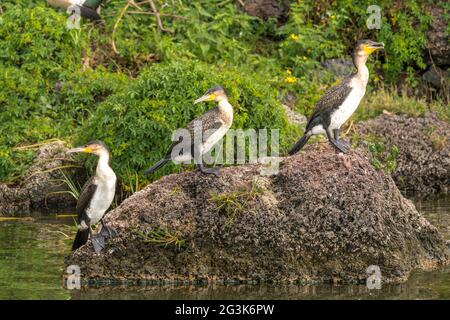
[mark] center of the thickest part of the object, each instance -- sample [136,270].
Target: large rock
[423,162]
[42,184]
[323,217]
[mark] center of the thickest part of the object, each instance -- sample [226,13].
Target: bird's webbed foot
[206,170]
[107,231]
[341,145]
[98,242]
[338,143]
[345,143]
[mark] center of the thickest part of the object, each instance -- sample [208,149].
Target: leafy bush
[44,93]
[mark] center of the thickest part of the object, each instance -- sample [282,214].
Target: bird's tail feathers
[157,165]
[80,239]
[299,144]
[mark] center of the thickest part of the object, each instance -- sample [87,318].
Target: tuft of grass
[74,187]
[176,190]
[231,204]
[162,237]
[437,141]
[399,103]
[130,182]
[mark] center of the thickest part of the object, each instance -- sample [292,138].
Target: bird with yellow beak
[95,198]
[214,124]
[338,104]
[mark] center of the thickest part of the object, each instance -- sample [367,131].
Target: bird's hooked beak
[369,48]
[206,97]
[80,149]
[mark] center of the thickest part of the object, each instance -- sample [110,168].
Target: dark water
[32,252]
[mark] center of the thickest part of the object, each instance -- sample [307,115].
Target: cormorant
[95,198]
[217,121]
[337,105]
[88,8]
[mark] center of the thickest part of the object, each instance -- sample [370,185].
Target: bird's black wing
[209,121]
[331,100]
[86,194]
[89,13]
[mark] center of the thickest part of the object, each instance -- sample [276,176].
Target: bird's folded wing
[332,99]
[85,197]
[208,123]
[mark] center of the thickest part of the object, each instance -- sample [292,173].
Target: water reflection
[421,287]
[31,259]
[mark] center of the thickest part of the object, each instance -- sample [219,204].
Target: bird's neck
[103,170]
[362,72]
[226,107]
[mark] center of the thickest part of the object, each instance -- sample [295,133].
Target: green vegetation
[73,187]
[382,157]
[127,82]
[399,103]
[437,141]
[231,204]
[162,237]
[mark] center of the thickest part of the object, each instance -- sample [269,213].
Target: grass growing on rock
[438,141]
[382,157]
[233,203]
[162,237]
[389,100]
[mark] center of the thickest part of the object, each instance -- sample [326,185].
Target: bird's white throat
[103,170]
[227,108]
[362,75]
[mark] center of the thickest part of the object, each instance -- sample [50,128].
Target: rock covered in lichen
[324,217]
[423,143]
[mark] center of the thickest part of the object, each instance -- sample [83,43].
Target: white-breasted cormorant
[95,198]
[88,8]
[337,105]
[214,124]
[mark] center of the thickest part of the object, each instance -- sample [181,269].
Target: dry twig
[158,17]
[122,13]
[241,2]
[136,5]
[161,14]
